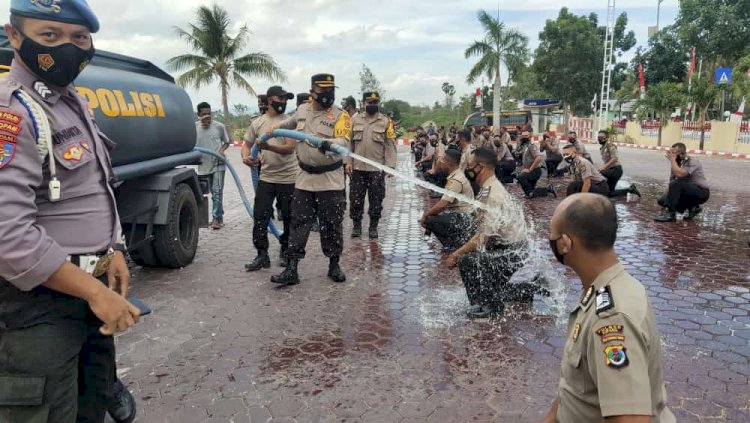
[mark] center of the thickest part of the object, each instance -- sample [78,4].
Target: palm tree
[500,46]
[663,98]
[217,57]
[703,93]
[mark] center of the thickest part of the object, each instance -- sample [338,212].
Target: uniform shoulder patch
[604,300]
[587,297]
[7,151]
[611,333]
[616,356]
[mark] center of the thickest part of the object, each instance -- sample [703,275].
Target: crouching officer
[319,189]
[60,237]
[373,138]
[587,178]
[612,169]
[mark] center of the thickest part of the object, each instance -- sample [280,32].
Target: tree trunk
[658,140]
[702,123]
[496,102]
[225,105]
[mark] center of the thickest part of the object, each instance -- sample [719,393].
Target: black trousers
[596,188]
[55,365]
[452,229]
[613,175]
[552,163]
[528,180]
[684,195]
[264,198]
[326,206]
[439,178]
[371,184]
[486,274]
[504,171]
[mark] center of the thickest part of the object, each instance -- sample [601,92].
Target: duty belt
[317,170]
[94,264]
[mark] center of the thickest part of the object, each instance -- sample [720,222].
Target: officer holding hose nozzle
[319,188]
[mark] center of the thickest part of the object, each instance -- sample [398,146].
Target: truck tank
[137,105]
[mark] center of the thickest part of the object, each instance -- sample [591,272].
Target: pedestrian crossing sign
[723,76]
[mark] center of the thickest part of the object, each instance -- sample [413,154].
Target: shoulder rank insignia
[604,299]
[611,333]
[587,297]
[7,151]
[42,89]
[616,356]
[576,331]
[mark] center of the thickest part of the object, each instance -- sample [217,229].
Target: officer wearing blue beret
[60,239]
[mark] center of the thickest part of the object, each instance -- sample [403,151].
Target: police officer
[580,148]
[531,161]
[349,104]
[688,186]
[373,138]
[499,248]
[302,98]
[60,237]
[611,365]
[277,177]
[587,178]
[506,164]
[612,169]
[319,188]
[248,144]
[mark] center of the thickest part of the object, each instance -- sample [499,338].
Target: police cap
[67,11]
[278,91]
[323,80]
[371,97]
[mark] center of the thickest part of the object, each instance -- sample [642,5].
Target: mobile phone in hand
[142,308]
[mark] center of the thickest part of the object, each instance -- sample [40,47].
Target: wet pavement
[392,343]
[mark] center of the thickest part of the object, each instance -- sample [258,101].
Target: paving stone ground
[392,344]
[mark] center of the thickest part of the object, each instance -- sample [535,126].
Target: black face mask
[553,246]
[325,99]
[568,159]
[58,65]
[371,109]
[471,174]
[433,143]
[679,159]
[279,107]
[525,140]
[602,141]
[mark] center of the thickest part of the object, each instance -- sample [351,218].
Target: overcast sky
[411,46]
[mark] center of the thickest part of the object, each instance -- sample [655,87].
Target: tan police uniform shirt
[465,156]
[373,137]
[583,169]
[580,148]
[458,183]
[530,153]
[36,235]
[275,168]
[609,152]
[695,172]
[503,152]
[333,124]
[255,120]
[611,362]
[502,221]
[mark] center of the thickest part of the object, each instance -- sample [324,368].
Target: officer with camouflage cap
[60,237]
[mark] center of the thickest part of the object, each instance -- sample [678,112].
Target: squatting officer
[60,237]
[373,137]
[319,188]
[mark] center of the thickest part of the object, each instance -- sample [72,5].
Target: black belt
[317,170]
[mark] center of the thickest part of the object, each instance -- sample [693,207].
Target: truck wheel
[177,241]
[145,255]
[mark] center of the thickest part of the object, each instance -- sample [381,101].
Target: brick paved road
[392,345]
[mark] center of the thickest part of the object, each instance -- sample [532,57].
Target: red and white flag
[478,95]
[642,81]
[737,116]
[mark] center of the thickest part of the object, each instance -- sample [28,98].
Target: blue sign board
[723,76]
[540,102]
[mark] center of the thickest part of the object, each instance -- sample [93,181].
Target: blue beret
[68,11]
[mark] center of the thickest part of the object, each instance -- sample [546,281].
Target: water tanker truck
[160,197]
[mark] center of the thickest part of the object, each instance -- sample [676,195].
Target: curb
[741,156]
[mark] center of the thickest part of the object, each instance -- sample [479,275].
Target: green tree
[741,79]
[703,93]
[449,90]
[718,29]
[623,41]
[369,82]
[500,46]
[664,60]
[663,98]
[217,56]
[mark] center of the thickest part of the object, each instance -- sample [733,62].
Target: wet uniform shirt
[611,362]
[36,235]
[465,156]
[373,137]
[529,153]
[609,152]
[695,172]
[275,168]
[458,183]
[333,124]
[211,138]
[503,152]
[583,169]
[503,222]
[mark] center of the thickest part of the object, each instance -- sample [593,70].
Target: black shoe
[551,190]
[283,260]
[122,408]
[334,271]
[634,190]
[477,312]
[262,261]
[695,211]
[373,232]
[667,216]
[357,229]
[289,276]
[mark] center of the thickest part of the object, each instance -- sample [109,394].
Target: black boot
[289,276]
[634,190]
[335,272]
[551,190]
[283,260]
[667,216]
[122,408]
[694,211]
[373,232]
[262,261]
[357,229]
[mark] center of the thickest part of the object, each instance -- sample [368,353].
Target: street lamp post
[658,9]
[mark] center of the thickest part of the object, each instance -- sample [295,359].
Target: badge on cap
[73,153]
[616,356]
[604,300]
[42,89]
[7,151]
[48,5]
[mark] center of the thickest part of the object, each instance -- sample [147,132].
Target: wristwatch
[121,248]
